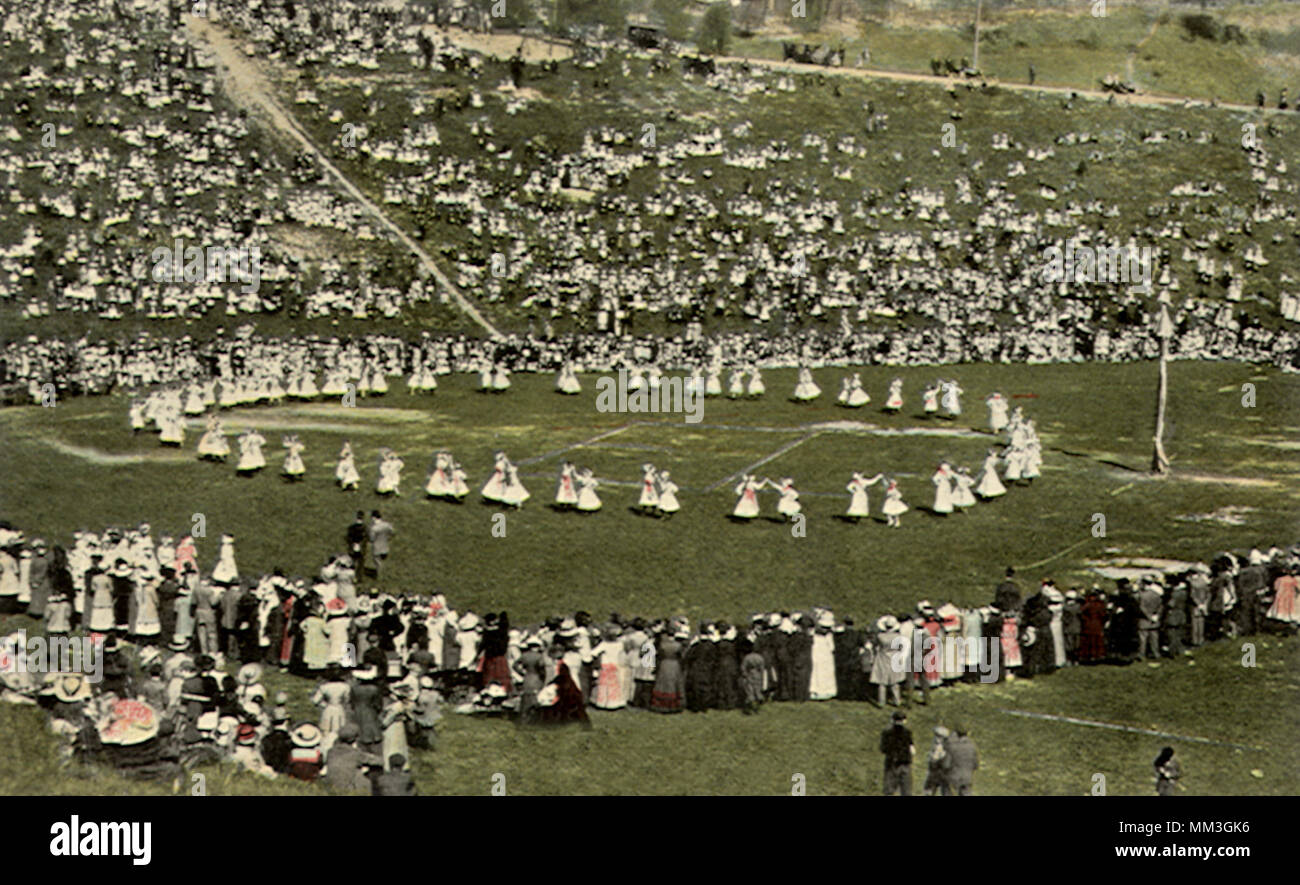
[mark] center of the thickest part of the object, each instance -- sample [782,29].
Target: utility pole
[976,63]
[1165,331]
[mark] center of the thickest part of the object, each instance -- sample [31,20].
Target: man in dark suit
[898,749]
[960,764]
[1007,597]
[1175,619]
[395,781]
[356,537]
[1150,602]
[1199,594]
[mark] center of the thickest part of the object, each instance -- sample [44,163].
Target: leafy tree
[714,35]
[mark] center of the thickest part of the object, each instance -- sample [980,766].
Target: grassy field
[1235,485]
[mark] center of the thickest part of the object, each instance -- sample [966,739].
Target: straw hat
[305,735]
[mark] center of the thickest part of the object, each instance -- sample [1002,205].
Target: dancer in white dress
[567,381]
[213,445]
[806,390]
[485,378]
[997,404]
[456,477]
[747,505]
[930,396]
[894,401]
[588,501]
[789,505]
[667,491]
[226,571]
[893,507]
[135,413]
[842,398]
[952,398]
[942,480]
[500,379]
[495,488]
[515,493]
[713,385]
[859,505]
[437,486]
[649,500]
[736,384]
[961,488]
[989,485]
[821,681]
[390,474]
[251,459]
[172,424]
[756,386]
[346,472]
[293,466]
[857,396]
[566,492]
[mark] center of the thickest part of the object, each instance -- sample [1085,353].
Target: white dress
[942,491]
[250,452]
[713,386]
[789,504]
[893,505]
[214,444]
[756,385]
[495,488]
[293,465]
[668,496]
[649,497]
[587,498]
[859,505]
[346,471]
[1015,459]
[997,413]
[857,396]
[515,493]
[747,506]
[565,493]
[961,494]
[458,487]
[437,486]
[931,396]
[989,485]
[821,685]
[951,401]
[736,386]
[895,400]
[226,571]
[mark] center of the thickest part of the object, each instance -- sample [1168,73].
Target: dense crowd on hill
[387,665]
[928,274]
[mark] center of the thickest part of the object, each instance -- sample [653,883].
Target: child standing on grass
[936,781]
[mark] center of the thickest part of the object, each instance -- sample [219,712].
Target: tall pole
[976,63]
[1165,329]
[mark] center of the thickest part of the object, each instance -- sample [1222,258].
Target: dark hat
[899,716]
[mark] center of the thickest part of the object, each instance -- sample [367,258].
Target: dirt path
[248,86]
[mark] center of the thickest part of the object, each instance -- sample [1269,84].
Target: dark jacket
[896,744]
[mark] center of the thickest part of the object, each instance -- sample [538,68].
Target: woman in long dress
[961,488]
[952,398]
[437,486]
[736,385]
[822,685]
[843,397]
[930,398]
[213,445]
[859,506]
[515,494]
[857,396]
[893,507]
[756,386]
[459,488]
[668,695]
[1283,608]
[346,471]
[485,378]
[333,696]
[251,459]
[293,466]
[649,500]
[608,690]
[989,485]
[788,506]
[501,379]
[806,389]
[588,501]
[566,495]
[942,480]
[747,505]
[997,404]
[894,401]
[495,488]
[667,492]
[713,385]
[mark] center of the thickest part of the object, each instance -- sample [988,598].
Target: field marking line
[1123,488]
[1094,723]
[1056,555]
[585,442]
[760,462]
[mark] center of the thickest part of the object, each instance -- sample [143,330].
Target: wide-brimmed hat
[468,621]
[249,674]
[887,622]
[305,735]
[71,687]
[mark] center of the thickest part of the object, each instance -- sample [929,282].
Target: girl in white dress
[857,396]
[226,571]
[894,401]
[495,488]
[843,397]
[649,501]
[756,386]
[736,385]
[952,398]
[997,404]
[566,494]
[136,415]
[713,386]
[1033,459]
[942,480]
[667,491]
[346,471]
[251,459]
[859,506]
[789,505]
[390,474]
[894,506]
[501,380]
[821,683]
[747,505]
[1015,461]
[378,383]
[213,445]
[428,379]
[194,400]
[806,390]
[931,398]
[308,389]
[567,382]
[456,475]
[485,378]
[437,486]
[515,493]
[961,492]
[989,485]
[293,466]
[588,502]
[172,426]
